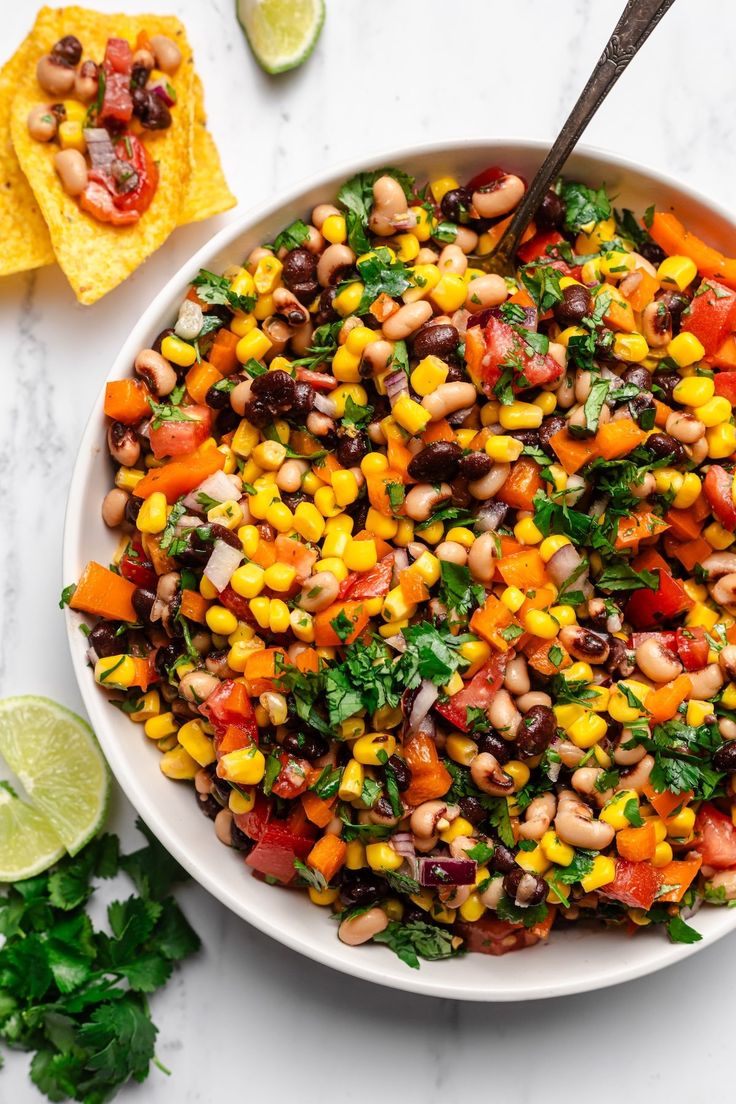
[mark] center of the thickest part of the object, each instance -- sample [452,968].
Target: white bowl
[571,962]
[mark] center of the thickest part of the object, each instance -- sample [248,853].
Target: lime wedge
[28,843]
[281,33]
[56,759]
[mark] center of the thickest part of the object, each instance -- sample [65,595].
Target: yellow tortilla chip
[94,256]
[25,237]
[208,193]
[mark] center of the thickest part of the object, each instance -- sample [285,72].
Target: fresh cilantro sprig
[215,290]
[416,940]
[75,995]
[583,205]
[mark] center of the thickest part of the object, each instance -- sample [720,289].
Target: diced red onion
[218,487]
[396,384]
[396,642]
[401,562]
[460,320]
[162,86]
[482,318]
[442,870]
[563,564]
[424,699]
[490,517]
[221,564]
[403,844]
[324,405]
[100,148]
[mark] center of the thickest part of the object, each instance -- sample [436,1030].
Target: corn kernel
[441,186]
[540,624]
[152,514]
[149,705]
[677,272]
[662,854]
[425,223]
[380,525]
[587,730]
[241,324]
[345,487]
[461,749]
[178,764]
[526,532]
[728,697]
[346,365]
[472,908]
[374,748]
[348,300]
[697,711]
[241,801]
[630,347]
[243,283]
[694,391]
[396,607]
[603,872]
[489,413]
[619,706]
[381,856]
[721,441]
[513,598]
[688,491]
[714,412]
[519,772]
[536,862]
[279,577]
[555,850]
[253,346]
[70,135]
[449,294]
[221,620]
[428,567]
[360,555]
[193,738]
[613,811]
[278,616]
[681,825]
[246,766]
[685,349]
[428,375]
[309,522]
[115,672]
[334,565]
[550,545]
[503,449]
[244,439]
[718,537]
[546,401]
[425,277]
[407,247]
[410,415]
[334,229]
[156,728]
[563,615]
[701,616]
[520,415]
[324,500]
[373,464]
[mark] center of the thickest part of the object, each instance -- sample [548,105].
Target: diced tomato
[293,777]
[541,245]
[254,822]
[668,639]
[716,837]
[476,695]
[132,151]
[646,609]
[503,346]
[636,884]
[229,704]
[119,56]
[495,937]
[275,852]
[369,584]
[180,438]
[692,648]
[717,487]
[97,201]
[138,569]
[711,315]
[725,384]
[236,604]
[117,102]
[319,380]
[485,177]
[296,555]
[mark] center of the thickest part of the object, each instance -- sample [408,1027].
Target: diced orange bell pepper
[378,496]
[307,661]
[663,703]
[573,452]
[398,456]
[265,553]
[413,587]
[491,620]
[261,673]
[441,430]
[222,352]
[641,525]
[354,613]
[641,292]
[686,525]
[662,413]
[522,484]
[105,594]
[194,606]
[637,844]
[666,802]
[429,777]
[670,235]
[725,355]
[179,477]
[679,873]
[537,655]
[618,438]
[523,569]
[319,811]
[126,401]
[692,552]
[327,856]
[200,378]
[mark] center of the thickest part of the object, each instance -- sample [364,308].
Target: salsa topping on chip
[102,161]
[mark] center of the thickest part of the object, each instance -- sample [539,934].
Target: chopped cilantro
[583,205]
[416,940]
[292,237]
[215,290]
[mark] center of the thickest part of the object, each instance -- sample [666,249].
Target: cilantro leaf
[533,914]
[292,236]
[354,415]
[381,276]
[457,590]
[416,940]
[430,653]
[356,196]
[680,932]
[66,595]
[620,575]
[215,290]
[583,205]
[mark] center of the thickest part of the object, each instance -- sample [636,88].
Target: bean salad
[424,581]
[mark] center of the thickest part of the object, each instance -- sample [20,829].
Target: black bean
[303,403]
[437,462]
[662,445]
[207,804]
[492,744]
[440,340]
[293,498]
[537,731]
[640,377]
[300,274]
[67,51]
[326,312]
[156,346]
[651,252]
[547,429]
[217,398]
[576,303]
[58,110]
[473,810]
[276,389]
[676,303]
[475,465]
[132,509]
[725,758]
[221,791]
[150,109]
[666,382]
[455,205]
[305,745]
[139,74]
[258,412]
[351,450]
[361,887]
[534,891]
[641,408]
[604,344]
[528,437]
[238,839]
[104,640]
[402,773]
[226,421]
[621,660]
[551,212]
[221,532]
[143,604]
[166,657]
[456,373]
[503,860]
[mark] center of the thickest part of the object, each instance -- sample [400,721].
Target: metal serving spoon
[638,20]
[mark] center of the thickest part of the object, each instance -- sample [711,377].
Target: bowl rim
[596,975]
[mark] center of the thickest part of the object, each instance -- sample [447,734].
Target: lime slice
[281,33]
[56,759]
[28,843]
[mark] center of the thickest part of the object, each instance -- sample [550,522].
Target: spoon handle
[638,20]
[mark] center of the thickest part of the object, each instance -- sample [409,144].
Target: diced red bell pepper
[541,245]
[293,777]
[276,850]
[499,937]
[636,884]
[711,315]
[485,177]
[369,584]
[725,384]
[319,380]
[255,822]
[716,837]
[717,487]
[476,695]
[646,609]
[97,201]
[692,648]
[504,346]
[236,604]
[138,568]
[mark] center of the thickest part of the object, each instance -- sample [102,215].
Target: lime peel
[281,33]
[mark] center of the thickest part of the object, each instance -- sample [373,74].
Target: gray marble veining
[386,72]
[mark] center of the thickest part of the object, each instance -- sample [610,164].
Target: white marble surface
[385,73]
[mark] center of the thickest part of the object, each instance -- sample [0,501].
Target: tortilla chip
[208,193]
[96,257]
[25,237]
